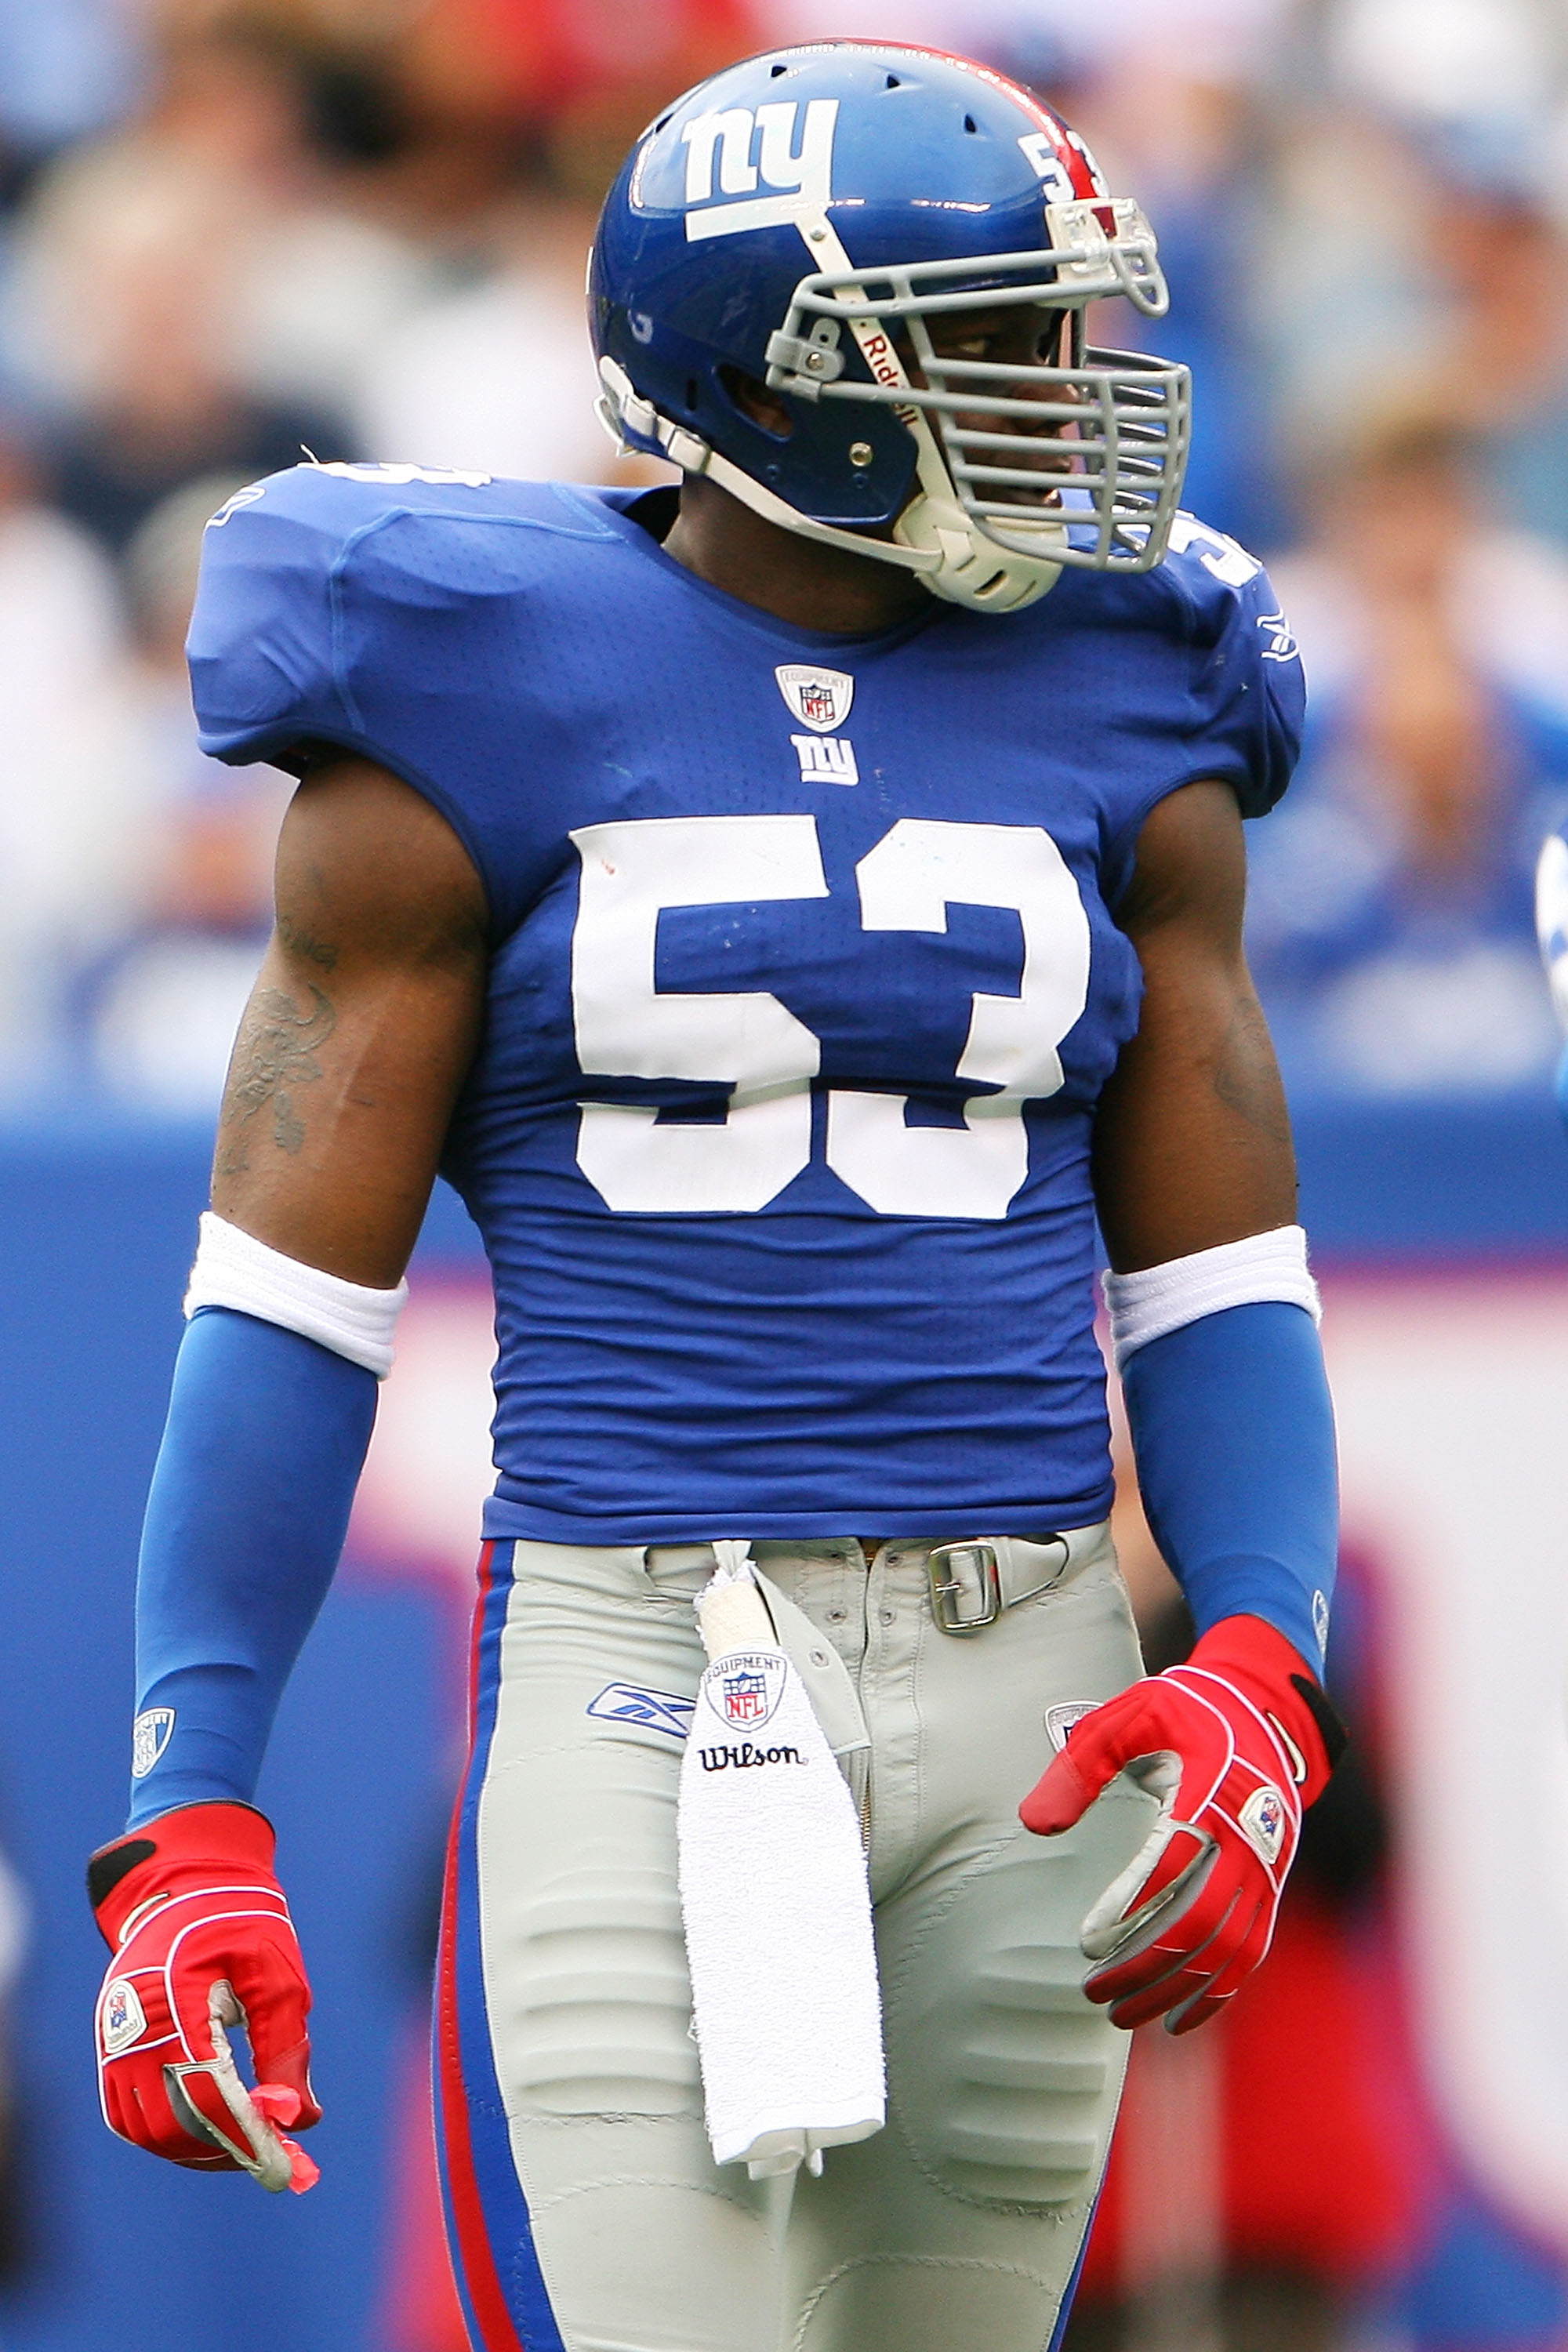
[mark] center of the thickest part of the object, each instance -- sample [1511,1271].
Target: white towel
[785,2002]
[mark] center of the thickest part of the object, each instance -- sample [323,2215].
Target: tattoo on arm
[305,944]
[1246,1077]
[274,1054]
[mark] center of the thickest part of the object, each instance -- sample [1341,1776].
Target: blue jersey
[805,981]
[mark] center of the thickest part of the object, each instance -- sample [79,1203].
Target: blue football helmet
[821,221]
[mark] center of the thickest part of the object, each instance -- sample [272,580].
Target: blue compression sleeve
[1233,1434]
[249,1505]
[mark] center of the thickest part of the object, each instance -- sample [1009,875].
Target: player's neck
[810,586]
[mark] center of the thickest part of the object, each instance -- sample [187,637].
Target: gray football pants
[598,2219]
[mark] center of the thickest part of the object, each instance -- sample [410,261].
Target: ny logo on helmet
[803,174]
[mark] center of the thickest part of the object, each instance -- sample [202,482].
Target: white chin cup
[977,570]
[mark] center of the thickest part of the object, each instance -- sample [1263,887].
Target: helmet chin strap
[767,503]
[621,409]
[934,537]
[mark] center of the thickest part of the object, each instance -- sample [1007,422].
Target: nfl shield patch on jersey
[819,699]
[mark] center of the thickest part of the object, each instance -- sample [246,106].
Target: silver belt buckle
[940,1560]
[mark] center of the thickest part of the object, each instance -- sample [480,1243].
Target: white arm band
[1145,1306]
[233,1269]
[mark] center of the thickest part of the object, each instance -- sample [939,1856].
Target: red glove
[1234,1744]
[202,1941]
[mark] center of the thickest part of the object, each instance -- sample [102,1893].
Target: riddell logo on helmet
[803,174]
[882,357]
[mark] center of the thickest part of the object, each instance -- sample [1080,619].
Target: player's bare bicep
[369,869]
[359,1031]
[1192,1136]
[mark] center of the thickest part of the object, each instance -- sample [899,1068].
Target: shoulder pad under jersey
[1250,690]
[319,584]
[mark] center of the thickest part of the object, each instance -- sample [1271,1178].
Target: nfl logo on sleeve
[149,1737]
[819,699]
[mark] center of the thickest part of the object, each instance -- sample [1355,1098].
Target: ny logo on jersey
[826,759]
[802,173]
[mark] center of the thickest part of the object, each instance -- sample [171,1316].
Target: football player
[791,910]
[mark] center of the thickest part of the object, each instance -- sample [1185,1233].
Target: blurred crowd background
[357,228]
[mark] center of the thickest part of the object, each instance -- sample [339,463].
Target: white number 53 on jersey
[634,868]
